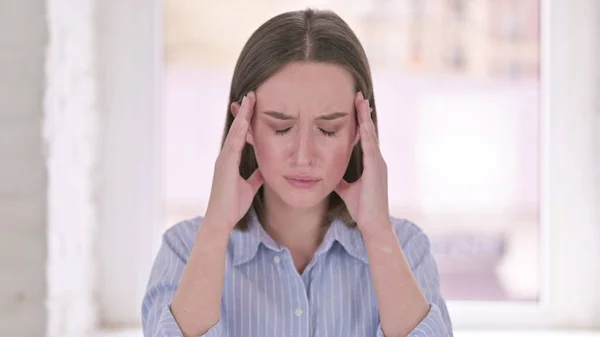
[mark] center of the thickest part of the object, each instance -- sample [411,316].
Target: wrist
[214,229]
[377,231]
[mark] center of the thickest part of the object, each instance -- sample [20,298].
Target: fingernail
[244,99]
[360,95]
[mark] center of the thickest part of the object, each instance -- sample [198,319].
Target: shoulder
[181,237]
[415,243]
[407,231]
[189,225]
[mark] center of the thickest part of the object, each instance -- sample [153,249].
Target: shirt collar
[246,243]
[350,239]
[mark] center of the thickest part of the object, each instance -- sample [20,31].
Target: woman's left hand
[367,198]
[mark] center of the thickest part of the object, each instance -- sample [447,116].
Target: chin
[296,202]
[302,198]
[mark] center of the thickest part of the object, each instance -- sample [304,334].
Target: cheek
[338,154]
[342,144]
[339,163]
[266,147]
[336,166]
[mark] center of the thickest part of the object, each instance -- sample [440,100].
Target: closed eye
[284,131]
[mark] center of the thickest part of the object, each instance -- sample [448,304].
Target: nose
[304,148]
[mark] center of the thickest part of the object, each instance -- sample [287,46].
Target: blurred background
[112,113]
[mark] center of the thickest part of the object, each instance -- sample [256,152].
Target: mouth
[302,181]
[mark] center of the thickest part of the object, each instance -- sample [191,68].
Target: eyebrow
[279,115]
[333,116]
[327,117]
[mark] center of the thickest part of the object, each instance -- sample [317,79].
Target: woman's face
[303,131]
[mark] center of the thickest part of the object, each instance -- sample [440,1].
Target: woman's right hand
[231,195]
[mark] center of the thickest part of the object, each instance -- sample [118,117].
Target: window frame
[130,200]
[130,193]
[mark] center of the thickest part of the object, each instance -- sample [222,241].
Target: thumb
[255,181]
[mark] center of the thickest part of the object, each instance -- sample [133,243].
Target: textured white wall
[71,133]
[48,138]
[23,200]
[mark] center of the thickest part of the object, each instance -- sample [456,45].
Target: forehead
[307,86]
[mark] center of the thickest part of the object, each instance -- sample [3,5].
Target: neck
[301,230]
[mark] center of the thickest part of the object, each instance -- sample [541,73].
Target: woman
[297,239]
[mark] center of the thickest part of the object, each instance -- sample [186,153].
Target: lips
[302,177]
[302,181]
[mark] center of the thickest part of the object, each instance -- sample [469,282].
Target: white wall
[48,140]
[71,132]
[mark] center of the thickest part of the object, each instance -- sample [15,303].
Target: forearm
[196,305]
[398,293]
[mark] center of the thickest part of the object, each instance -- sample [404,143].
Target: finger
[368,142]
[359,107]
[246,114]
[370,123]
[357,99]
[255,181]
[367,118]
[236,137]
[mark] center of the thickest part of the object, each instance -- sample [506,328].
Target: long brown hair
[300,36]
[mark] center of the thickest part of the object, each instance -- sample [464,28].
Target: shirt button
[276,259]
[299,312]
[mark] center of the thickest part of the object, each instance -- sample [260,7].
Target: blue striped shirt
[264,295]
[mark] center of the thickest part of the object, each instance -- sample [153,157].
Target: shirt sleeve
[432,325]
[157,318]
[417,250]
